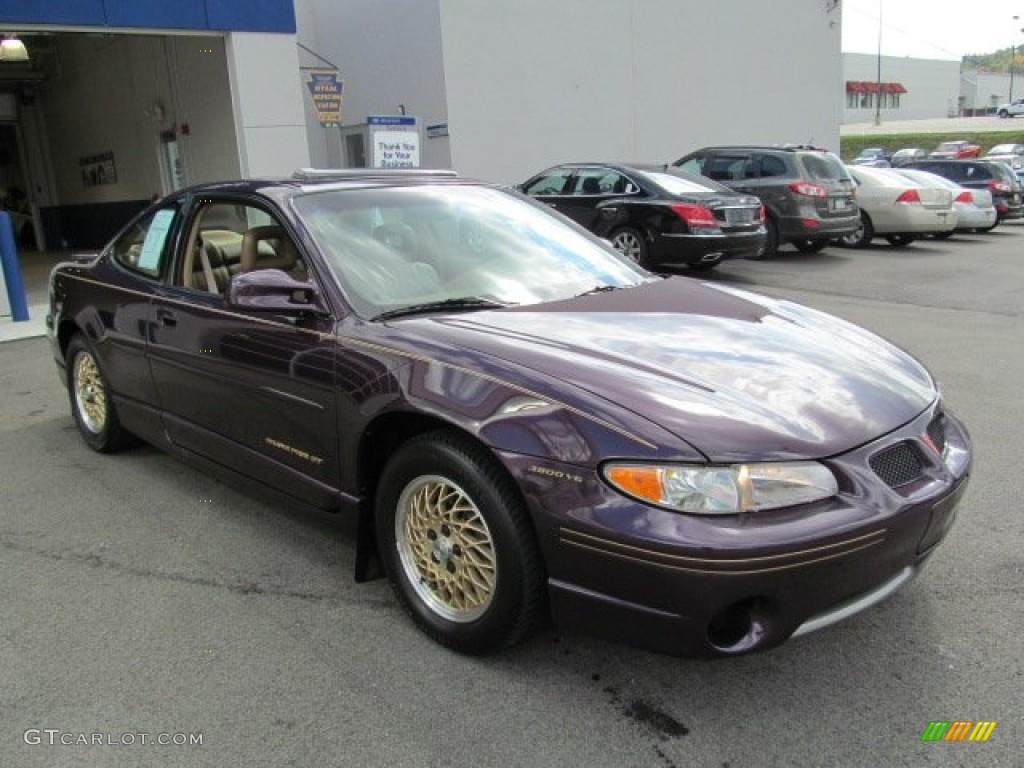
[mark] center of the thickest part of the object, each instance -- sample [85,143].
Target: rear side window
[143,246]
[824,167]
[976,172]
[772,166]
[730,168]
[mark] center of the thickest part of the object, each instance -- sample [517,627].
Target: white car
[897,208]
[1014,108]
[1011,154]
[975,211]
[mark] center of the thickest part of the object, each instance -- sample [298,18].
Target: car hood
[737,376]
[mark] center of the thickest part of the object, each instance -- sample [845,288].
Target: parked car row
[714,204]
[878,157]
[730,202]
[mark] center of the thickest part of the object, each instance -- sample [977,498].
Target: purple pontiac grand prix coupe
[524,423]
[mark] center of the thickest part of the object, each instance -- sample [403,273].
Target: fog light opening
[739,628]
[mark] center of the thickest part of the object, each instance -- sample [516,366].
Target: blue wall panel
[181,14]
[251,15]
[213,15]
[88,12]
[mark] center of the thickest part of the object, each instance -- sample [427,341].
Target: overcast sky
[932,29]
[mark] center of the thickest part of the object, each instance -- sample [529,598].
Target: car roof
[768,147]
[306,179]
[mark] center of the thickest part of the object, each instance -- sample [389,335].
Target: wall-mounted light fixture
[12,49]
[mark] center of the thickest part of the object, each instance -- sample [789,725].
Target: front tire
[457,544]
[631,244]
[91,404]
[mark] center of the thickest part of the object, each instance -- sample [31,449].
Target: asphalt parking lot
[143,597]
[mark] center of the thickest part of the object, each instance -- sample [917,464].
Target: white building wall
[267,105]
[533,83]
[388,53]
[202,93]
[984,91]
[933,86]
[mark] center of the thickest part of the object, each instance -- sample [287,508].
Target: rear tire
[900,241]
[943,235]
[861,238]
[457,544]
[630,243]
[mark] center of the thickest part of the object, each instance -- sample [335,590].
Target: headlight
[723,490]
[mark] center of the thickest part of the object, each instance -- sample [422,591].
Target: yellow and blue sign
[325,88]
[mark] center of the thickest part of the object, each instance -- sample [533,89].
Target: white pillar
[266,96]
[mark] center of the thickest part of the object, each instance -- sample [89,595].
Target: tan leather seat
[258,253]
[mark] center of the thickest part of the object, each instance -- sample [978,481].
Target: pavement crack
[238,586]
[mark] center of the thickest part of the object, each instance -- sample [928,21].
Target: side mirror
[271,290]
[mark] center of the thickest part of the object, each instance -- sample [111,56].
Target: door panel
[253,391]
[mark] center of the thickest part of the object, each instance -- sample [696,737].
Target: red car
[956,150]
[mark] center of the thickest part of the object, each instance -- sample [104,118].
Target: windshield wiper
[462,302]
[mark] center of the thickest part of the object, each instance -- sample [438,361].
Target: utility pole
[878,73]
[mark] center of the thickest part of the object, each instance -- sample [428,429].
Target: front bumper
[706,586]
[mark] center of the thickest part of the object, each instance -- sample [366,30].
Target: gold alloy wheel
[446,548]
[90,396]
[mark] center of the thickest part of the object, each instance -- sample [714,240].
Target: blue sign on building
[391,120]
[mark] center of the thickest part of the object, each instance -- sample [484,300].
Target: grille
[937,432]
[898,465]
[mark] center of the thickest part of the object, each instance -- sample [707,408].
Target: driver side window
[227,238]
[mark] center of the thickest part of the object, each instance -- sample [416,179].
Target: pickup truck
[1014,108]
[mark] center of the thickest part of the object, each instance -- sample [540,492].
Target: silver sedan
[897,208]
[975,211]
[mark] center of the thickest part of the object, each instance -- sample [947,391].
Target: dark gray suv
[808,195]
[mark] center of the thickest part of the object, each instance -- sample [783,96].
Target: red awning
[865,86]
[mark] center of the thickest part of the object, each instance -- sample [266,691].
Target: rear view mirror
[272,290]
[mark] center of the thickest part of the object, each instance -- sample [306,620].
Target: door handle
[166,317]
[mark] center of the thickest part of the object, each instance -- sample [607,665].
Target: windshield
[825,166]
[393,248]
[1004,149]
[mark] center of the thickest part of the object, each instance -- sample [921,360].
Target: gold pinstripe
[688,564]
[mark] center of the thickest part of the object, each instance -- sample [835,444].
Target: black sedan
[657,216]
